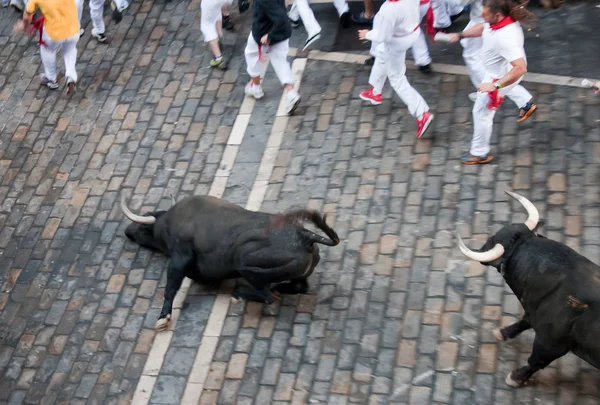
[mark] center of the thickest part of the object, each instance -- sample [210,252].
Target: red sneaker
[374,99]
[423,123]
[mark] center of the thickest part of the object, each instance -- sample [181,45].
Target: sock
[291,94]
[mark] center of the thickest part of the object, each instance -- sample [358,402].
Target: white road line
[356,58]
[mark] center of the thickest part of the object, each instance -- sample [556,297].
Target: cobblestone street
[395,313]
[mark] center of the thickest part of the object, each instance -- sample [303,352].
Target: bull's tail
[320,222]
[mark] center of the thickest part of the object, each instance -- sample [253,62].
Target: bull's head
[504,240]
[143,229]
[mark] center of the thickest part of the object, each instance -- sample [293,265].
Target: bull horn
[482,257]
[534,216]
[135,218]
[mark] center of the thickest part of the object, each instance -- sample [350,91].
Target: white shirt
[395,19]
[500,47]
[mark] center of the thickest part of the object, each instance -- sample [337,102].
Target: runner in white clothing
[396,29]
[504,62]
[472,56]
[419,50]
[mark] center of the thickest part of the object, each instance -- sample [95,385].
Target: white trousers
[390,63]
[69,51]
[96,14]
[210,14]
[442,10]
[483,118]
[301,9]
[472,56]
[419,50]
[278,57]
[341,7]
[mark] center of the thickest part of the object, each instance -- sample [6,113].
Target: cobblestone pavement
[394,315]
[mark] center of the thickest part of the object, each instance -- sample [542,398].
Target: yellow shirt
[60,17]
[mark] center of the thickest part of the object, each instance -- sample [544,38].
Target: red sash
[495,99]
[37,25]
[429,29]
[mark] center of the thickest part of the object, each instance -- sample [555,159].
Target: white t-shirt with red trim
[500,47]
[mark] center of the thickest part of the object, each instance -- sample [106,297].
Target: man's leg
[483,121]
[366,17]
[97,17]
[377,76]
[420,50]
[395,67]
[211,28]
[441,17]
[313,29]
[524,100]
[69,50]
[253,67]
[281,66]
[48,55]
[343,11]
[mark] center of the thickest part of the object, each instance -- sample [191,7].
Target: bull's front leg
[256,293]
[175,275]
[512,331]
[291,287]
[540,358]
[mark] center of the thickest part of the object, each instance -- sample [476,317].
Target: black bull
[210,240]
[558,288]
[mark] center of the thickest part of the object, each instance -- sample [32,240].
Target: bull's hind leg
[512,331]
[540,358]
[175,274]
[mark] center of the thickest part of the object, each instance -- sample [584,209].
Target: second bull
[558,288]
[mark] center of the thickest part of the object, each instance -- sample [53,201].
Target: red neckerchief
[495,100]
[503,23]
[37,25]
[429,28]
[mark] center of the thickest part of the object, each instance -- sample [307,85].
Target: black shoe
[370,61]
[345,19]
[227,23]
[425,69]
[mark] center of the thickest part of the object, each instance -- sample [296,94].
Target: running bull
[558,288]
[210,240]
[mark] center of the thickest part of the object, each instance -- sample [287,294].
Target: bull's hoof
[162,324]
[498,333]
[512,383]
[236,301]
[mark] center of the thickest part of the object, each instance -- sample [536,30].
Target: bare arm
[519,68]
[472,32]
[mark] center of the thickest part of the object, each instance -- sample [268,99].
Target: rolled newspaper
[590,84]
[442,37]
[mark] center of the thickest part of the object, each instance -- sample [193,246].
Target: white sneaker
[311,40]
[293,100]
[18,4]
[100,36]
[473,96]
[254,90]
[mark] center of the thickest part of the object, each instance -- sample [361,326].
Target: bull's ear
[539,225]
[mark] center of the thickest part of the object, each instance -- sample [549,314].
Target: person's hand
[486,87]
[362,34]
[19,26]
[597,91]
[265,39]
[454,37]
